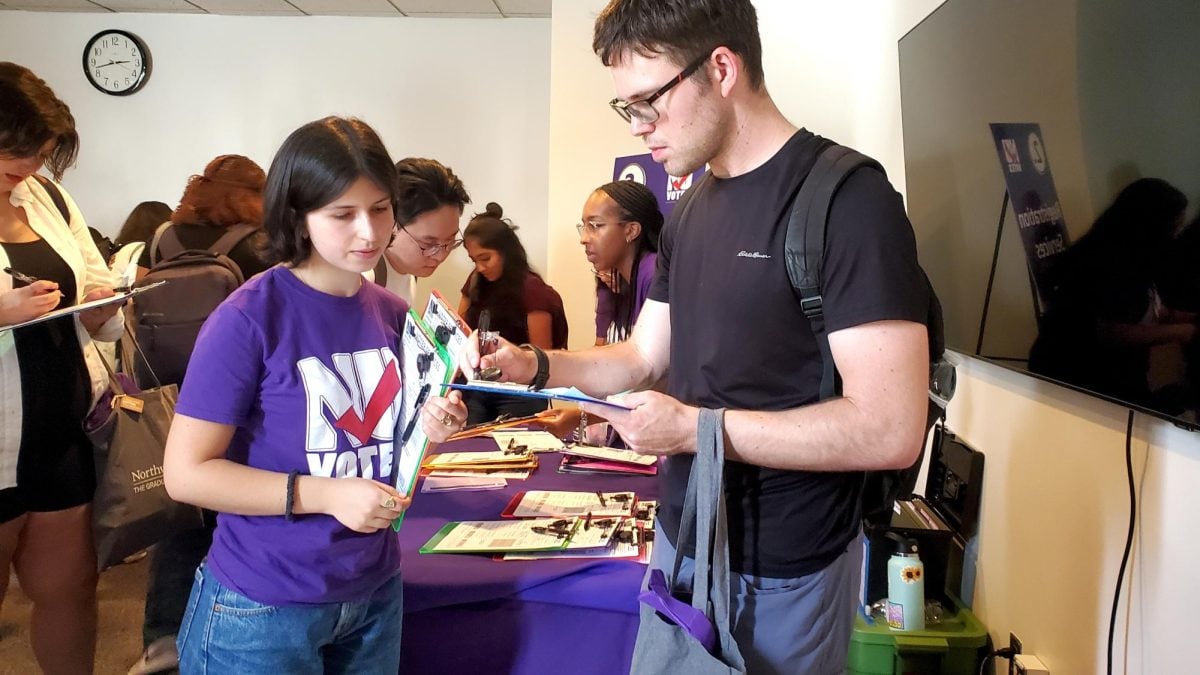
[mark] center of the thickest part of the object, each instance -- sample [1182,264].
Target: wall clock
[116,62]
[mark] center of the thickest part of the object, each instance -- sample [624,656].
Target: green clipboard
[426,367]
[549,543]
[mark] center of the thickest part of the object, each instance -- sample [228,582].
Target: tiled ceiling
[497,9]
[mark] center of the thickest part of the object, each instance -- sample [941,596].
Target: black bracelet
[543,366]
[291,496]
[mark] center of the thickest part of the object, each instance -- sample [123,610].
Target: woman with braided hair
[619,231]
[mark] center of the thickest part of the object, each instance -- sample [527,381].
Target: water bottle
[906,586]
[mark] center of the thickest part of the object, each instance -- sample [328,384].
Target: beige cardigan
[74,244]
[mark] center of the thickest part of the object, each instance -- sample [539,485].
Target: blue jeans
[225,632]
[786,626]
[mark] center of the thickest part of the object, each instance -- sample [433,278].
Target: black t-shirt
[740,341]
[201,237]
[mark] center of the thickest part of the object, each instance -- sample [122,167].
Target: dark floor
[122,594]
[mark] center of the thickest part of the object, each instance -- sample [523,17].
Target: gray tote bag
[676,636]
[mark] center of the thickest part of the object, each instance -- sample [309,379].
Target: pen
[600,496]
[581,432]
[487,341]
[587,522]
[408,431]
[20,276]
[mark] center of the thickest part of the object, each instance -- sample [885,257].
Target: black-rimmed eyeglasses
[433,250]
[643,110]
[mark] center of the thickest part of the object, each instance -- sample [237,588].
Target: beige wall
[1054,507]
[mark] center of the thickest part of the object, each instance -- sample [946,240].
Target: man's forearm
[602,371]
[834,435]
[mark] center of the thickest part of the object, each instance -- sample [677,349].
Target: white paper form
[610,454]
[548,503]
[537,441]
[498,536]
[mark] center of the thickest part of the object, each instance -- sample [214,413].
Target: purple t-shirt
[312,383]
[606,300]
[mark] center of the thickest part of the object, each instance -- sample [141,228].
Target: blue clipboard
[553,393]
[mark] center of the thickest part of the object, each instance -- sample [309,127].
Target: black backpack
[169,318]
[804,252]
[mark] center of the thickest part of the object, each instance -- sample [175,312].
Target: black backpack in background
[168,319]
[804,253]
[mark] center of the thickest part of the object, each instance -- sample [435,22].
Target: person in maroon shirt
[522,306]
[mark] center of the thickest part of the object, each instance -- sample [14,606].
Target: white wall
[473,94]
[1054,511]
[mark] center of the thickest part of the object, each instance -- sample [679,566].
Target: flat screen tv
[1052,158]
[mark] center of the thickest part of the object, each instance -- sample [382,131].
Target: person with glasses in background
[430,200]
[724,325]
[619,231]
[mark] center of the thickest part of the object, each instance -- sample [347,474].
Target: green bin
[952,647]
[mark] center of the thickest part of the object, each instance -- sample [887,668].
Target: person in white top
[49,375]
[431,201]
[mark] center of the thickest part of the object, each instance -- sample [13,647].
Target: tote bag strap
[704,519]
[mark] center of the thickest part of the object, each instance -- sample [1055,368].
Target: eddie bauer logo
[753,254]
[147,479]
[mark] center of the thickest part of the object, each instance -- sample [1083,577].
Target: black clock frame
[142,77]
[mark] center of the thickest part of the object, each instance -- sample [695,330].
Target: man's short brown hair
[683,30]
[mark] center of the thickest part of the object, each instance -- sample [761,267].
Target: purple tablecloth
[472,614]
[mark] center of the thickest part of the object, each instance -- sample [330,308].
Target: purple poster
[644,170]
[1034,199]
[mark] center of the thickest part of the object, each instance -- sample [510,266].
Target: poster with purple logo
[1034,199]
[642,169]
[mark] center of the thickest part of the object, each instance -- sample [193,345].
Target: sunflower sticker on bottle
[906,586]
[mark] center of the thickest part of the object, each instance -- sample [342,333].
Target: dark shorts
[51,477]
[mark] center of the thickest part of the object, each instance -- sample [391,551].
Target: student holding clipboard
[50,376]
[286,426]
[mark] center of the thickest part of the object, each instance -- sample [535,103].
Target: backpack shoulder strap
[166,244]
[232,237]
[56,196]
[804,243]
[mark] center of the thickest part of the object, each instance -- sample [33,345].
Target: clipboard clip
[514,449]
[560,528]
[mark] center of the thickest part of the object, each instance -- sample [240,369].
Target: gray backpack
[169,318]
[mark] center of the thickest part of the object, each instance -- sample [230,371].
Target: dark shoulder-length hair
[30,116]
[637,203]
[228,193]
[317,163]
[142,221]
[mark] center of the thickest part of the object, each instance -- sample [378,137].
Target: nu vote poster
[1034,199]
[643,169]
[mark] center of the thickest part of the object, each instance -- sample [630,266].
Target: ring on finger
[389,503]
[447,419]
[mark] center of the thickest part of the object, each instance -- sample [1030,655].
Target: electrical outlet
[1014,643]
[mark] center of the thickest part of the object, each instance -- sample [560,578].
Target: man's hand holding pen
[514,364]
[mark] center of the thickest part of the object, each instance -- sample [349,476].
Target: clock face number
[114,63]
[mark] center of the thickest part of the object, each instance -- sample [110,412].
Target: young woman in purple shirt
[618,230]
[286,426]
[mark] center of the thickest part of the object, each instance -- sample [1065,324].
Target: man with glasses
[430,200]
[723,316]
